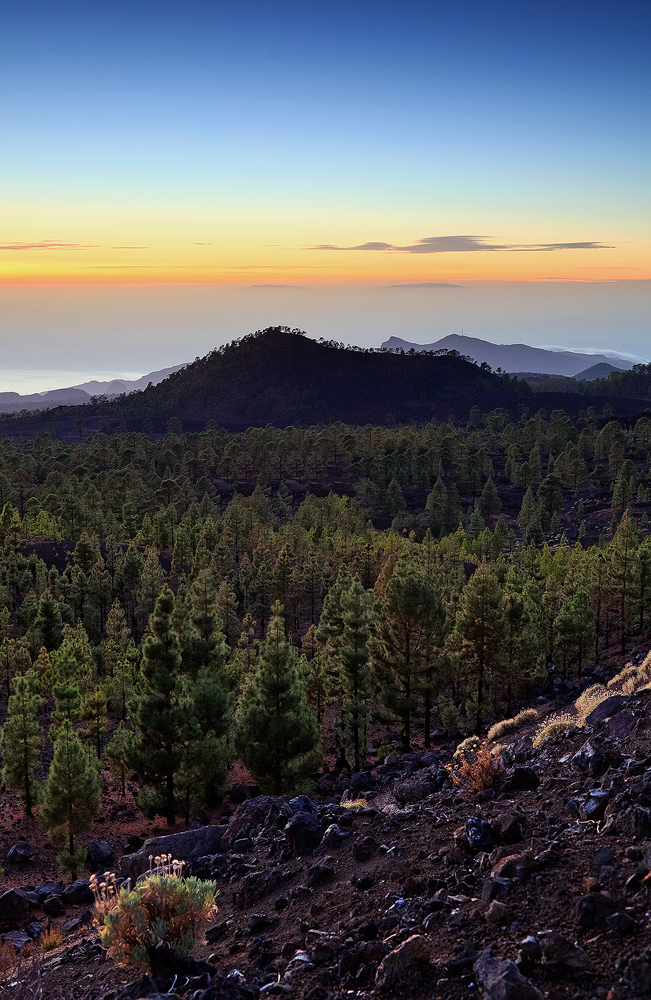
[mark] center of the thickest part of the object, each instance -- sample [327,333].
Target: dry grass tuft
[479,771]
[554,725]
[508,725]
[51,939]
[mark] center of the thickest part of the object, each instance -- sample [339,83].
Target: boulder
[17,939]
[559,950]
[502,980]
[319,874]
[268,812]
[132,844]
[303,833]
[47,889]
[53,906]
[607,708]
[522,779]
[406,963]
[509,827]
[78,893]
[408,792]
[595,805]
[100,854]
[634,823]
[480,835]
[334,836]
[594,909]
[303,803]
[515,866]
[363,848]
[186,846]
[14,907]
[21,853]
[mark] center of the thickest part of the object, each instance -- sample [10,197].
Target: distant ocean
[29,380]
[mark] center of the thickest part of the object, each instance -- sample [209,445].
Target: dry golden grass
[554,725]
[509,725]
[51,939]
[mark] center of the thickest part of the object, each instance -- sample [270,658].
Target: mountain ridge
[513,358]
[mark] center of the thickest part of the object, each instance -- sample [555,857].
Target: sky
[176,174]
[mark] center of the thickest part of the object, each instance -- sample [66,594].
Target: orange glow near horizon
[224,265]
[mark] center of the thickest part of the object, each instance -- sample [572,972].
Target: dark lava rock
[186,846]
[303,833]
[594,909]
[621,923]
[408,792]
[559,950]
[21,853]
[48,889]
[364,848]
[480,834]
[78,893]
[53,906]
[303,803]
[522,779]
[509,827]
[17,939]
[362,882]
[604,856]
[14,907]
[100,854]
[607,708]
[635,822]
[594,806]
[502,980]
[334,836]
[132,844]
[319,874]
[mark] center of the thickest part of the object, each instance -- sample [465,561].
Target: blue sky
[158,144]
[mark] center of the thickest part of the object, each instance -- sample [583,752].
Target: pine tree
[71,795]
[276,733]
[117,753]
[21,738]
[159,715]
[624,568]
[574,627]
[93,712]
[478,633]
[48,624]
[489,501]
[355,675]
[226,610]
[407,616]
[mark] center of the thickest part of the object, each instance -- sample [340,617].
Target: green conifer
[276,733]
[71,795]
[21,738]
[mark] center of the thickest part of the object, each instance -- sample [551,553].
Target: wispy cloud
[426,284]
[465,244]
[48,245]
[274,285]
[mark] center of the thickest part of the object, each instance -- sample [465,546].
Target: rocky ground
[533,888]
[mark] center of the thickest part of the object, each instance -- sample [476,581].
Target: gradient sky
[159,159]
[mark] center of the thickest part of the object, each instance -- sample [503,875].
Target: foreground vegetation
[168,604]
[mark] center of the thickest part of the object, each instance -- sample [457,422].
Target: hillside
[514,357]
[281,377]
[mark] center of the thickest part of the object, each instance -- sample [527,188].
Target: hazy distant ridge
[514,358]
[75,395]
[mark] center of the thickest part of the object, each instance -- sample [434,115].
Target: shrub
[51,939]
[478,771]
[355,804]
[469,745]
[508,725]
[556,724]
[163,910]
[449,715]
